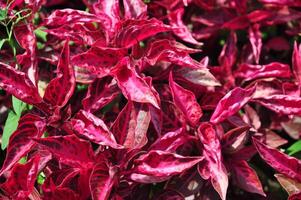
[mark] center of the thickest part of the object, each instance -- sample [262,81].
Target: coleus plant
[159,99]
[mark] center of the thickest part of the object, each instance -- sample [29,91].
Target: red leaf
[61,88]
[163,165]
[231,103]
[290,185]
[131,125]
[98,60]
[20,143]
[212,167]
[101,181]
[273,70]
[133,31]
[245,177]
[185,100]
[18,84]
[21,182]
[133,87]
[69,149]
[100,93]
[28,60]
[89,126]
[282,163]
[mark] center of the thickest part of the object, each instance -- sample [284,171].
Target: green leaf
[41,178]
[10,126]
[3,14]
[2,43]
[23,160]
[18,106]
[294,148]
[41,34]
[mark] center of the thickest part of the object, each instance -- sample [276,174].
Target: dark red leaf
[20,143]
[69,149]
[60,89]
[101,181]
[18,84]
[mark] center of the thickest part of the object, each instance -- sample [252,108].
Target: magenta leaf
[134,8]
[20,143]
[100,93]
[282,104]
[282,163]
[245,177]
[101,181]
[133,31]
[185,100]
[179,28]
[91,127]
[231,103]
[61,88]
[256,41]
[173,52]
[170,141]
[212,166]
[296,62]
[98,60]
[18,84]
[133,87]
[69,149]
[27,39]
[162,165]
[131,125]
[249,72]
[21,182]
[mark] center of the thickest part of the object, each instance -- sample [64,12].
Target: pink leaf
[296,62]
[256,41]
[212,167]
[132,124]
[185,100]
[163,165]
[89,126]
[231,103]
[132,85]
[273,70]
[282,163]
[61,88]
[133,31]
[179,28]
[134,8]
[281,104]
